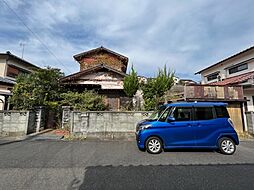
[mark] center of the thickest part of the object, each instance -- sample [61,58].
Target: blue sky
[186,35]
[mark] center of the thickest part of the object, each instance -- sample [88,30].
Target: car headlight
[142,127]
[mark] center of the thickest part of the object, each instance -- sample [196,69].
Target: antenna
[23,47]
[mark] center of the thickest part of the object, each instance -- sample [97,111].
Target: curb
[38,133]
[10,140]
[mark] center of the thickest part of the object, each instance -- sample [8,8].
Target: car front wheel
[227,146]
[154,145]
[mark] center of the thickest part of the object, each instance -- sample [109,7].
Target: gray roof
[18,59]
[8,81]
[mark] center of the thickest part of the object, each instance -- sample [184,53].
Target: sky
[186,35]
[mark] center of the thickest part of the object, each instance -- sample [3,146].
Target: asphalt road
[49,164]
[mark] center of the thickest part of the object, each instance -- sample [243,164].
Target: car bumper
[140,144]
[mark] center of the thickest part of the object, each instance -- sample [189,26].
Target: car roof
[188,104]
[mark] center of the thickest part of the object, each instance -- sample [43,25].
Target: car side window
[165,115]
[203,113]
[182,114]
[221,112]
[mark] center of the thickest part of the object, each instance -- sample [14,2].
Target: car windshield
[156,114]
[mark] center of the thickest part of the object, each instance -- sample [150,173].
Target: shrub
[84,101]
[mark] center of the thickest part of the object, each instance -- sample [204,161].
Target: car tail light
[230,122]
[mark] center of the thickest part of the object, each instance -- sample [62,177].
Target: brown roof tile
[234,80]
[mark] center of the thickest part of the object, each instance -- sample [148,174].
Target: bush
[84,101]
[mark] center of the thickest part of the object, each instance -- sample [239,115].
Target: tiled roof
[18,58]
[8,81]
[235,80]
[92,69]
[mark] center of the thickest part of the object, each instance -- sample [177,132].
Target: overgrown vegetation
[41,88]
[155,88]
[131,83]
[84,101]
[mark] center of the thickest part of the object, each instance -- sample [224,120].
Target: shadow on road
[170,177]
[6,142]
[35,136]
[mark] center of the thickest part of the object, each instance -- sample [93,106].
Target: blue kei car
[188,125]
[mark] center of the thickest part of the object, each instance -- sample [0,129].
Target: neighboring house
[186,82]
[237,69]
[10,67]
[103,71]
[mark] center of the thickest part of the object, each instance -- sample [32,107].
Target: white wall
[2,67]
[224,73]
[248,93]
[1,102]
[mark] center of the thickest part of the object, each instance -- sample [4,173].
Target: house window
[13,71]
[212,76]
[238,68]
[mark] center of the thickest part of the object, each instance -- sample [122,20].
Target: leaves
[40,88]
[131,83]
[155,88]
[84,101]
[43,88]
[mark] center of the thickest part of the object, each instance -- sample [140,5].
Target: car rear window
[221,112]
[203,113]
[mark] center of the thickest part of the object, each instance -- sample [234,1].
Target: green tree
[40,88]
[84,101]
[155,88]
[131,83]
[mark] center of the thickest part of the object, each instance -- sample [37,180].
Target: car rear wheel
[227,146]
[154,145]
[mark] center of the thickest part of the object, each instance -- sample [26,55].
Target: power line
[36,36]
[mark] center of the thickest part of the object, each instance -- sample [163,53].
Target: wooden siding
[102,58]
[205,92]
[106,79]
[235,113]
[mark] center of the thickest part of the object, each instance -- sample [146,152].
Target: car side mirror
[170,119]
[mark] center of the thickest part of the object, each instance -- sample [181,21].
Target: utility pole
[23,47]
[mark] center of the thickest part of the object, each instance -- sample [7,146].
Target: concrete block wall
[105,125]
[13,123]
[250,121]
[18,123]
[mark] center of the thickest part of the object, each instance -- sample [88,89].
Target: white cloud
[186,35]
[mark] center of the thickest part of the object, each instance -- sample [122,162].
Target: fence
[20,123]
[104,124]
[250,121]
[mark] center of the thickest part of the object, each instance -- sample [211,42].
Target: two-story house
[103,71]
[237,69]
[10,67]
